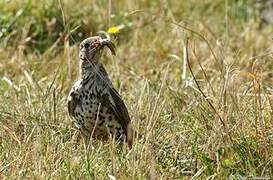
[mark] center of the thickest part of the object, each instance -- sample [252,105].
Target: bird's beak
[109,44]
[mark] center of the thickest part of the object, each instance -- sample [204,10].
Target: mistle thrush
[93,103]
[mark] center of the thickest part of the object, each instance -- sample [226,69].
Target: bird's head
[91,49]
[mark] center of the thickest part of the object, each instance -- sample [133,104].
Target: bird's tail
[131,135]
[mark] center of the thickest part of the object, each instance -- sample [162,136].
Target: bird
[93,103]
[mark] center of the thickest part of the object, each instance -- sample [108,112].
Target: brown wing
[118,106]
[71,104]
[113,98]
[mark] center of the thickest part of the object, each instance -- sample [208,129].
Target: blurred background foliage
[39,24]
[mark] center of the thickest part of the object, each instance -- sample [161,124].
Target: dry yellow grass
[217,126]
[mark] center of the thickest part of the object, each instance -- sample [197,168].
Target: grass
[214,122]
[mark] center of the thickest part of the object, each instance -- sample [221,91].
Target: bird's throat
[88,69]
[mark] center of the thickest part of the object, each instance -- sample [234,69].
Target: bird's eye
[86,45]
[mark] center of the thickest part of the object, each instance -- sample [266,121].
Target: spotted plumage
[93,103]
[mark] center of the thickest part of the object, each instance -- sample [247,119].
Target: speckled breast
[93,117]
